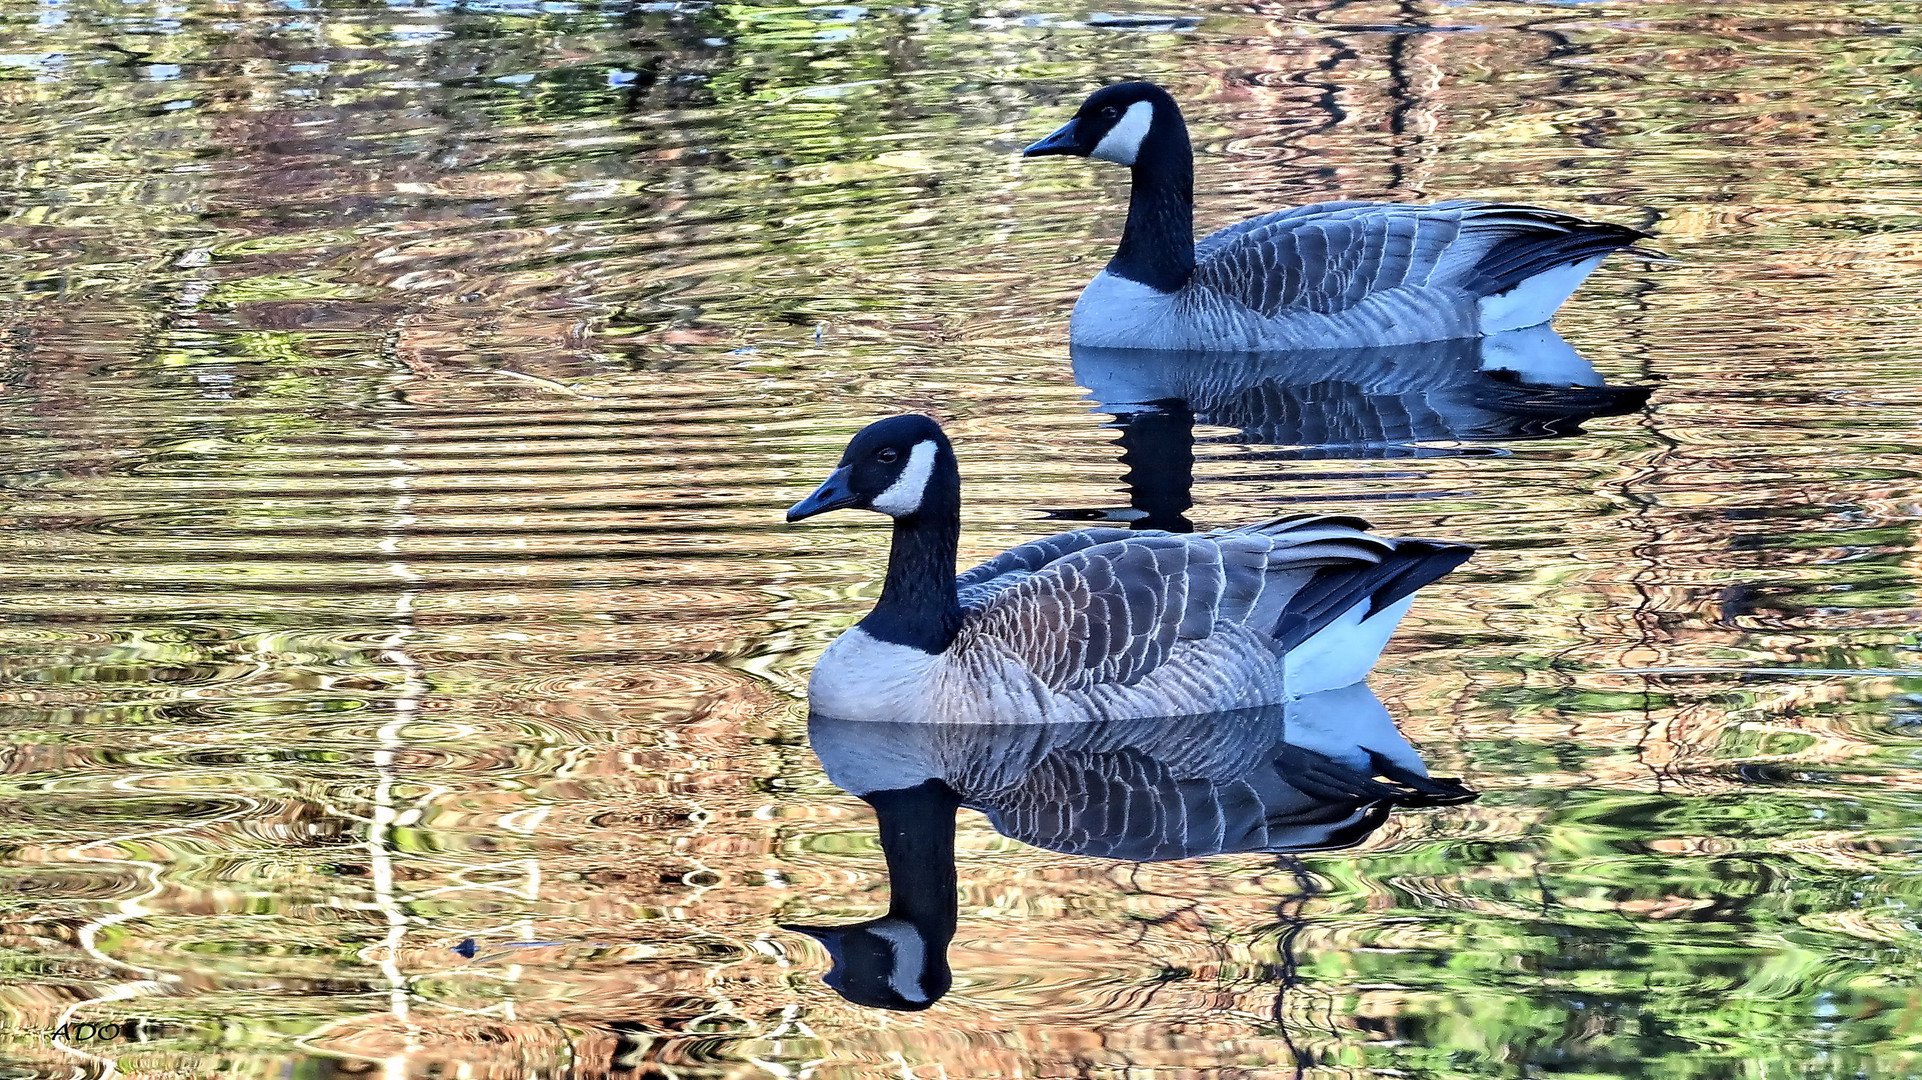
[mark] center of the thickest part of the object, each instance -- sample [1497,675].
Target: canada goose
[1322,276]
[1100,624]
[1315,774]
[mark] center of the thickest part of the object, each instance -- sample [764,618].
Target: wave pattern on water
[400,651]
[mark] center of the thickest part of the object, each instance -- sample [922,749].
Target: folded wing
[1115,612]
[1329,257]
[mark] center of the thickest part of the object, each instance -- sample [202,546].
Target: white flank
[1123,141]
[903,497]
[1341,653]
[1535,299]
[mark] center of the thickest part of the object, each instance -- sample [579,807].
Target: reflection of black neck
[1158,245]
[917,840]
[1158,449]
[918,605]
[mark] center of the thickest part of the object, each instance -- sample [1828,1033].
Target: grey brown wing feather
[1329,257]
[1011,565]
[1208,245]
[1112,613]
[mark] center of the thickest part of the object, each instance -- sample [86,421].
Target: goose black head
[897,467]
[884,963]
[1116,124]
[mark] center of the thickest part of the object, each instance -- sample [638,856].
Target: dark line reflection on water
[1382,402]
[399,404]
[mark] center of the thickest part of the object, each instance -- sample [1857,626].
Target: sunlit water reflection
[399,406]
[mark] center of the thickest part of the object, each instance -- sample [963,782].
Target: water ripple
[401,408]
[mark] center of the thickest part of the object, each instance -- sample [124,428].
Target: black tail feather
[1539,241]
[1426,561]
[1336,589]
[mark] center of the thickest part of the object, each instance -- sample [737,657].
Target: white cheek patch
[1123,141]
[903,497]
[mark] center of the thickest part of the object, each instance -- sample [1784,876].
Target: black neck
[917,840]
[918,605]
[1158,245]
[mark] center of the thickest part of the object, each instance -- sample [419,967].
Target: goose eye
[887,455]
[1110,112]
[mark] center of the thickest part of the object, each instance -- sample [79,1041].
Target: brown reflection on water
[393,452]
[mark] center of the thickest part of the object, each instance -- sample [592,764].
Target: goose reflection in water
[1319,773]
[1376,402]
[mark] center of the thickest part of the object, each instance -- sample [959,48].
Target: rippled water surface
[401,652]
